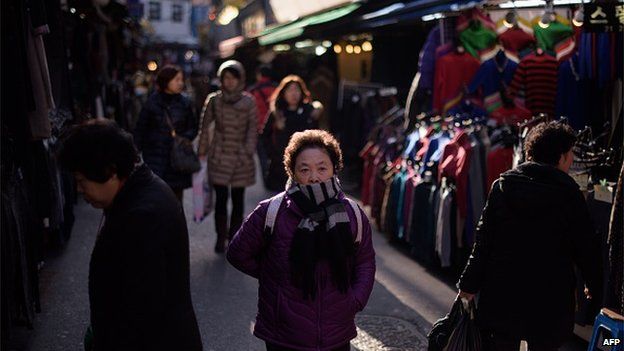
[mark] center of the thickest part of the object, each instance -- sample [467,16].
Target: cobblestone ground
[406,299]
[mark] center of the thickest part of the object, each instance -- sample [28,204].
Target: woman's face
[293,94]
[230,82]
[313,166]
[176,85]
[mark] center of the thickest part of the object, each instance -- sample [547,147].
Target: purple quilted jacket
[284,317]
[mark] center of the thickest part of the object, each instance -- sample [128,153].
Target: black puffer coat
[152,134]
[534,229]
[139,280]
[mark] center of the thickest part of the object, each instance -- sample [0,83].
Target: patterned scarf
[323,234]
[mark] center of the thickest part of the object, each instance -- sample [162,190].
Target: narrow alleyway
[405,302]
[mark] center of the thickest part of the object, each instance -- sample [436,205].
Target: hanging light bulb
[349,49]
[357,49]
[367,46]
[337,48]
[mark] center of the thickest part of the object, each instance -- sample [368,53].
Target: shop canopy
[296,28]
[409,11]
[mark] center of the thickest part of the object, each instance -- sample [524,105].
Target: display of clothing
[444,230]
[453,73]
[493,76]
[535,80]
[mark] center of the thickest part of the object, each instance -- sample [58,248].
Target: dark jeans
[493,342]
[271,347]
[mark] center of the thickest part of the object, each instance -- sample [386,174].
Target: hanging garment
[516,40]
[40,81]
[510,115]
[455,164]
[453,73]
[476,38]
[547,36]
[571,94]
[499,160]
[444,232]
[493,76]
[536,80]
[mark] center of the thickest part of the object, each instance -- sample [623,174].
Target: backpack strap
[271,215]
[358,219]
[276,202]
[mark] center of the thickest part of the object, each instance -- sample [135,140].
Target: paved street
[405,302]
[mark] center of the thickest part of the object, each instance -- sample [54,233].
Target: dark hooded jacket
[534,229]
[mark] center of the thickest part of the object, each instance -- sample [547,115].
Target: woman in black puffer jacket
[153,134]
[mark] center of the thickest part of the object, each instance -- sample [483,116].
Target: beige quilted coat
[228,136]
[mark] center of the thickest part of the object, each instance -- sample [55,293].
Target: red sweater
[498,162]
[453,72]
[516,40]
[512,115]
[455,164]
[536,77]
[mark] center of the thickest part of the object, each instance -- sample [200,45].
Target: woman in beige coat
[229,144]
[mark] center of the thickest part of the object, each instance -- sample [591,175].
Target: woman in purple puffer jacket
[316,264]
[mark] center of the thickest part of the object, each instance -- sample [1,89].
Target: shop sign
[604,17]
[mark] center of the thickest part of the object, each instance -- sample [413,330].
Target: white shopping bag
[202,193]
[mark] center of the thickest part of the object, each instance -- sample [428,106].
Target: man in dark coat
[139,287]
[534,229]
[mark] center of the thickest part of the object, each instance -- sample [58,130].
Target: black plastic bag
[457,331]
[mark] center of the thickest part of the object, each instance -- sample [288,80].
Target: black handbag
[183,158]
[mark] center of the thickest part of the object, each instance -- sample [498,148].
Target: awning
[296,28]
[406,12]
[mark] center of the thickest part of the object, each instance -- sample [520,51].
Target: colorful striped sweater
[536,80]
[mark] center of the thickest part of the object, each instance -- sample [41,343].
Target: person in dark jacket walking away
[262,91]
[229,144]
[139,289]
[535,227]
[311,250]
[152,134]
[292,110]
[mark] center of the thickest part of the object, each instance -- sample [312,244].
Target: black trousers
[271,347]
[222,196]
[495,342]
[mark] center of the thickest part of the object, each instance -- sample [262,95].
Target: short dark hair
[312,139]
[547,141]
[165,75]
[265,70]
[98,149]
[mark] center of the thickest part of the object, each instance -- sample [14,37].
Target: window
[176,13]
[154,11]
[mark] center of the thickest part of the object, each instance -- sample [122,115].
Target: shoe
[222,232]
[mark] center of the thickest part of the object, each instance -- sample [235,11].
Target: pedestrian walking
[229,146]
[292,110]
[534,229]
[262,91]
[139,289]
[311,250]
[165,114]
